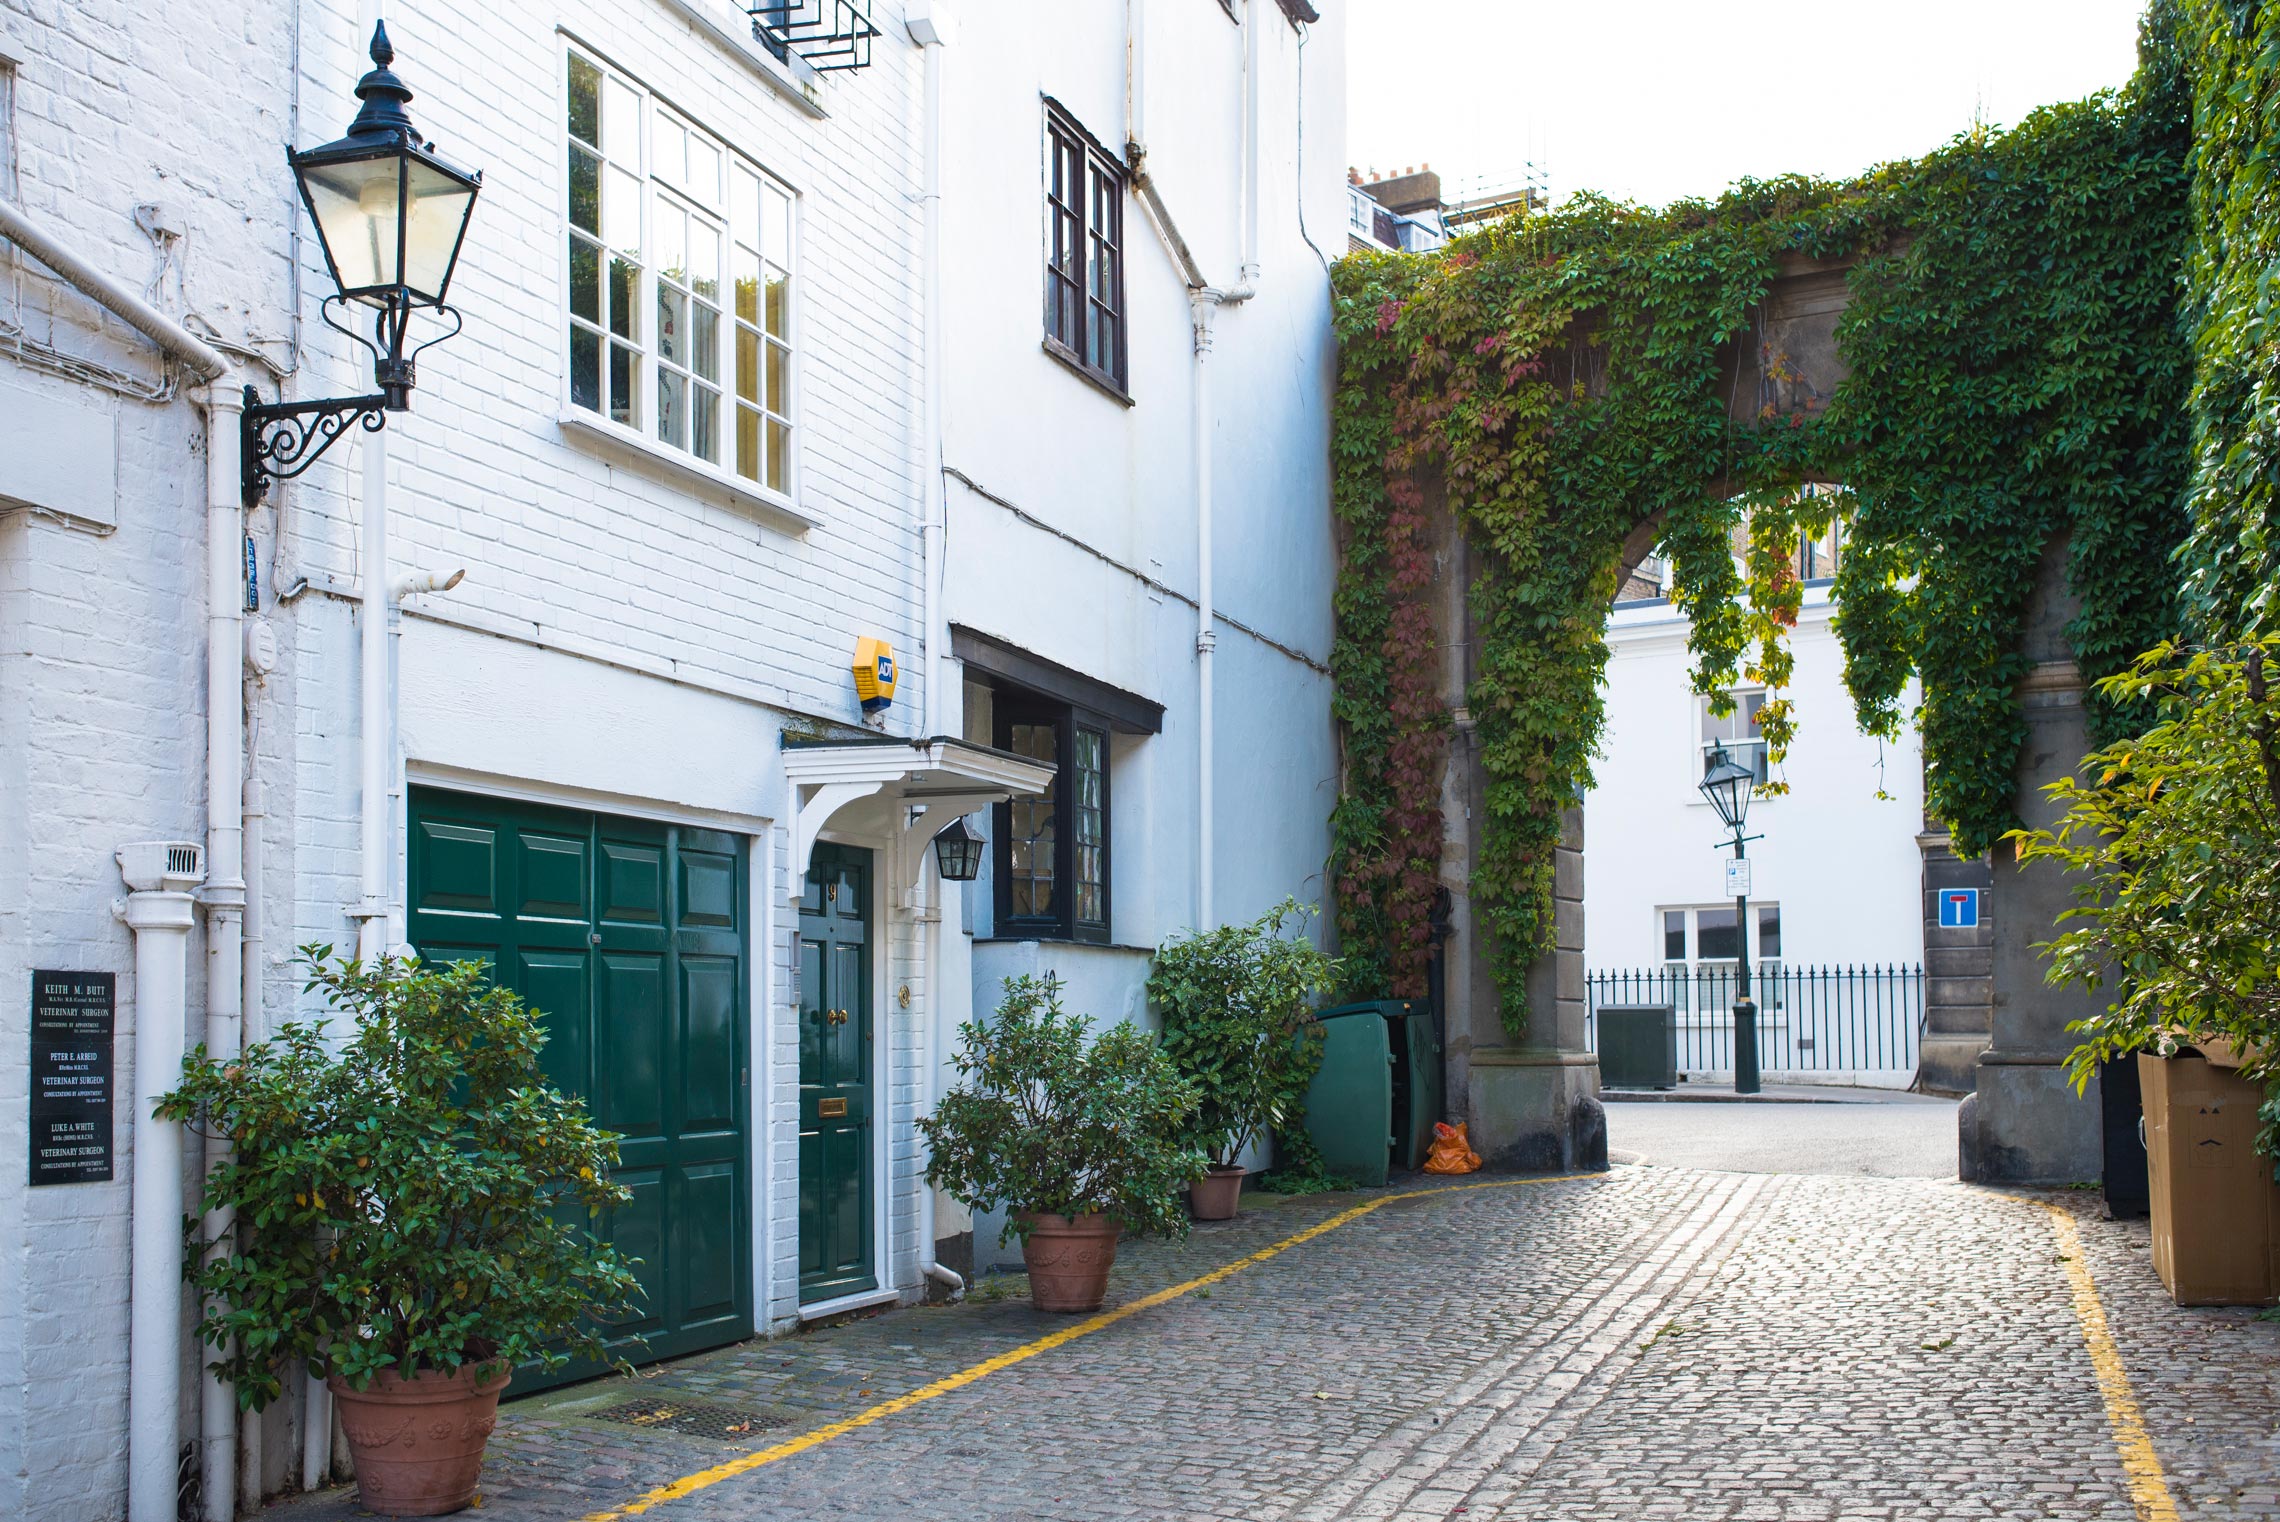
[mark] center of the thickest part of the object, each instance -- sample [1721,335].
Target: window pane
[779,455]
[704,428]
[779,379]
[704,259]
[776,228]
[672,407]
[1091,825]
[1769,931]
[746,267]
[585,280]
[669,232]
[625,391]
[668,144]
[672,325]
[1101,341]
[585,190]
[704,341]
[1714,935]
[704,169]
[585,101]
[779,303]
[748,364]
[621,211]
[1029,840]
[621,123]
[625,289]
[1674,935]
[585,369]
[744,205]
[748,443]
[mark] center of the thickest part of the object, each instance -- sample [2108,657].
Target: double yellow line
[2149,1491]
[690,1484]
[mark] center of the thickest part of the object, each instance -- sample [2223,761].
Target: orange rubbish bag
[1451,1152]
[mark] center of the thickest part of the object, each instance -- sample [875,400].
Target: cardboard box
[2216,1209]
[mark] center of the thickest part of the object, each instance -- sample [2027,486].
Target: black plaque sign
[72,1014]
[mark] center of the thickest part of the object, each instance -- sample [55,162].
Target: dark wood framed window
[1051,848]
[1084,251]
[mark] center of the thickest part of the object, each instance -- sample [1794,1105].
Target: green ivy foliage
[1564,384]
[2230,52]
[417,1199]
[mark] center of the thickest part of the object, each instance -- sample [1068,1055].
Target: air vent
[174,866]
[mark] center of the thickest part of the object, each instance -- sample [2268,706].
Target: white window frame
[1698,750]
[1694,958]
[781,200]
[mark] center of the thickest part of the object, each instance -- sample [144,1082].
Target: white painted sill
[795,82]
[595,435]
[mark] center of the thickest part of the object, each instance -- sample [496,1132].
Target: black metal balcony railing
[828,34]
[1858,1020]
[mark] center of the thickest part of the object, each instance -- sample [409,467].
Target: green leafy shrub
[406,1201]
[2177,845]
[1235,1005]
[1044,1119]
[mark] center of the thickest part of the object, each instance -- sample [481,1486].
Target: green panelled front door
[835,1075]
[629,938]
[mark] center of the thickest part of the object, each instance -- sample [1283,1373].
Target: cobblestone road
[1659,1342]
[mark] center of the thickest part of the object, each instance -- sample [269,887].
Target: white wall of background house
[1073,500]
[1839,864]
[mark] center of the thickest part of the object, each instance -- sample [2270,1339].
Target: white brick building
[641,629]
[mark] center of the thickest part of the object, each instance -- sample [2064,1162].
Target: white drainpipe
[1203,305]
[224,894]
[160,913]
[161,918]
[930,27]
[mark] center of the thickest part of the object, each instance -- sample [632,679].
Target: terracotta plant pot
[1069,1258]
[418,1443]
[1218,1194]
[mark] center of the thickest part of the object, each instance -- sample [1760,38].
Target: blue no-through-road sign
[1959,908]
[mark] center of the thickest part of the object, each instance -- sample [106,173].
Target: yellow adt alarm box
[874,674]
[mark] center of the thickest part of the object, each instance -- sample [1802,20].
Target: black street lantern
[1728,785]
[391,216]
[958,853]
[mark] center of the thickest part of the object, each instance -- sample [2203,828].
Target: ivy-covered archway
[1574,387]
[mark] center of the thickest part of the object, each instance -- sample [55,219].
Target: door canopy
[901,790]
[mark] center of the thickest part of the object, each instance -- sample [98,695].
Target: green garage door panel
[629,939]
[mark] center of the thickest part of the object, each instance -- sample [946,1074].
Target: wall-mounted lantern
[391,216]
[958,852]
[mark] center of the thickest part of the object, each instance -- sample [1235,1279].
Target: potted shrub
[1235,1003]
[2175,839]
[1077,1139]
[410,1212]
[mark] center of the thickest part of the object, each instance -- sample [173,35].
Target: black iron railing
[1864,1020]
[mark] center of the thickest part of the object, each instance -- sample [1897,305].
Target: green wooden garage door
[630,938]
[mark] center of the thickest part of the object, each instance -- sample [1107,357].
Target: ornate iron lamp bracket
[279,440]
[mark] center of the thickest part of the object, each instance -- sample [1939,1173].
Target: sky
[1651,100]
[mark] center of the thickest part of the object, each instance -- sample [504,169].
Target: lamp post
[391,216]
[1728,785]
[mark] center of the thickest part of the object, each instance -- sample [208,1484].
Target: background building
[1836,879]
[774,341]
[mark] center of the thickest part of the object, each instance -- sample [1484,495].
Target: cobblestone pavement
[1659,1342]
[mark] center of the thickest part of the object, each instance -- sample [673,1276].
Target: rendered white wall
[1842,864]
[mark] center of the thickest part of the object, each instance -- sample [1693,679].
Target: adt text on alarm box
[1959,908]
